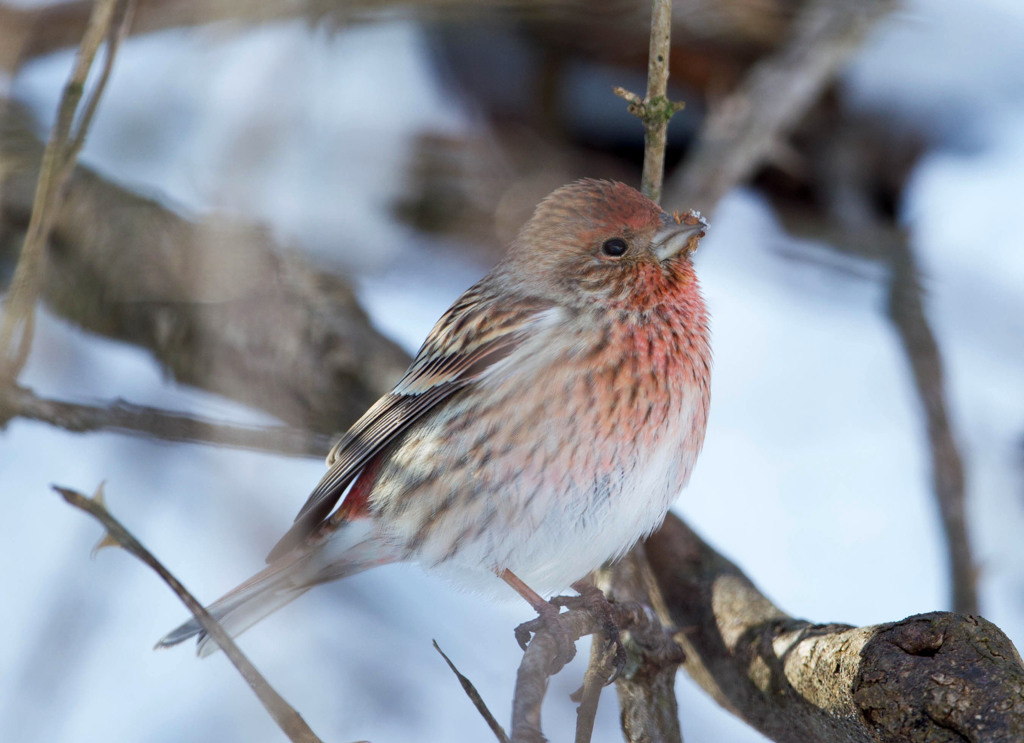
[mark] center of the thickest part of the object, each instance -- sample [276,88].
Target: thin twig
[475,698]
[593,684]
[284,715]
[655,109]
[906,310]
[656,124]
[18,321]
[851,220]
[534,672]
[117,30]
[157,423]
[535,668]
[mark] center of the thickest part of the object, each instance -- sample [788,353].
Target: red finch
[549,420]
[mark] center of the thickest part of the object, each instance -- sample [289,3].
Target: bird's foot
[549,619]
[593,600]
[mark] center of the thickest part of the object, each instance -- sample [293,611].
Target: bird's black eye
[614,247]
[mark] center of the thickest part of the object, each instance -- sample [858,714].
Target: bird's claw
[550,621]
[593,600]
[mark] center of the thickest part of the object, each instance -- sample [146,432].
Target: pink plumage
[550,418]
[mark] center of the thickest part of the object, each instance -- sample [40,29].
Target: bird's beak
[680,235]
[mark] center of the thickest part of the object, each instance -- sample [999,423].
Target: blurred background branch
[143,420]
[746,127]
[218,302]
[109,22]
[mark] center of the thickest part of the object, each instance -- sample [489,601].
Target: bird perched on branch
[551,417]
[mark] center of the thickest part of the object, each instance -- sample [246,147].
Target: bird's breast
[563,454]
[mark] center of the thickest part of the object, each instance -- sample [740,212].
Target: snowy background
[816,439]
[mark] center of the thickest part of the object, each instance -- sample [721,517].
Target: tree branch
[475,698]
[906,310]
[655,109]
[220,305]
[858,168]
[109,20]
[646,690]
[588,695]
[742,129]
[124,417]
[290,721]
[910,681]
[535,668]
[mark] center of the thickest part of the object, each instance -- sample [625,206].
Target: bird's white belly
[551,532]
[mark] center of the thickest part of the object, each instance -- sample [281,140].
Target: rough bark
[928,678]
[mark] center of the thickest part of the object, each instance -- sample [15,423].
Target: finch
[548,422]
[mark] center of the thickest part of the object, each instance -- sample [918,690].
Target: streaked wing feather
[441,368]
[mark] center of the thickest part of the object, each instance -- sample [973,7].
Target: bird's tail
[346,551]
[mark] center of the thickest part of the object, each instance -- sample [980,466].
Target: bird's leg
[593,600]
[548,618]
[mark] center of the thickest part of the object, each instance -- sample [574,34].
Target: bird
[551,417]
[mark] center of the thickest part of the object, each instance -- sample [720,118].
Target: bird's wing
[475,333]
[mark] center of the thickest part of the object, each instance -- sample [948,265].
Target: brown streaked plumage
[547,423]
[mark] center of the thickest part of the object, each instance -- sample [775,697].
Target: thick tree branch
[220,305]
[931,677]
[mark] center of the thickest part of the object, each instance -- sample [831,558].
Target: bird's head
[602,241]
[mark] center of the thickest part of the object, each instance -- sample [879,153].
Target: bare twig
[19,402]
[742,129]
[655,109]
[535,669]
[593,683]
[475,698]
[284,715]
[115,34]
[109,20]
[855,164]
[906,310]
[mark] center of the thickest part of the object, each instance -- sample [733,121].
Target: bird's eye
[614,247]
